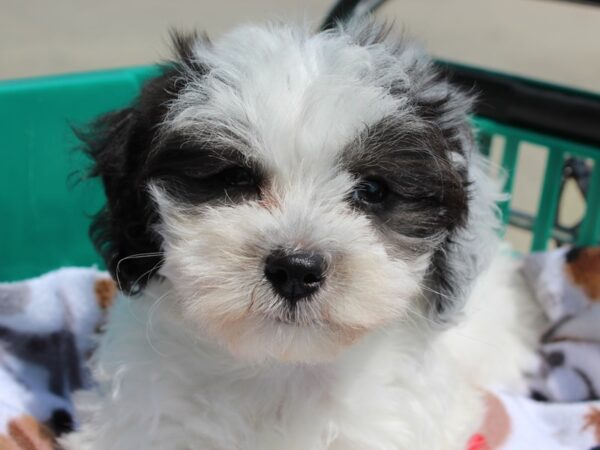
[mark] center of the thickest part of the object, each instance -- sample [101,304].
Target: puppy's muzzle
[295,276]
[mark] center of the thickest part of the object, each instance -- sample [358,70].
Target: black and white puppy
[297,219]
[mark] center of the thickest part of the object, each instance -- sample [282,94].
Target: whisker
[130,257]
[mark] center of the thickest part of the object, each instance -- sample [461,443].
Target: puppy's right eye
[370,191]
[237,177]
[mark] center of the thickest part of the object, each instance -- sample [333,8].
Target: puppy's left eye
[238,177]
[371,191]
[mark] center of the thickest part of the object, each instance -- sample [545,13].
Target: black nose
[296,275]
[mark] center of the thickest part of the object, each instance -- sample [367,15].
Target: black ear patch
[119,144]
[442,282]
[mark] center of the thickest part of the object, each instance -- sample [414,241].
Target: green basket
[542,223]
[46,213]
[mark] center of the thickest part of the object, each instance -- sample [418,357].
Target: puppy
[295,220]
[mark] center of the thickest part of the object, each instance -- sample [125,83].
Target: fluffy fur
[268,140]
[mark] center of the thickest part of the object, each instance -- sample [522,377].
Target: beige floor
[545,39]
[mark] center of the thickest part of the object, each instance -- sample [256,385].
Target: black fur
[427,193]
[129,152]
[428,198]
[196,172]
[182,45]
[119,144]
[447,118]
[444,287]
[430,193]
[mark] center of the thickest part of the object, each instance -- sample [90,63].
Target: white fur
[164,386]
[204,358]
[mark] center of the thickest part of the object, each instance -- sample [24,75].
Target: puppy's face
[297,190]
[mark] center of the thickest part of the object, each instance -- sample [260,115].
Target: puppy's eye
[238,177]
[370,191]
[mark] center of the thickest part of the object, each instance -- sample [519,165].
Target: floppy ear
[122,230]
[469,246]
[446,109]
[119,144]
[443,109]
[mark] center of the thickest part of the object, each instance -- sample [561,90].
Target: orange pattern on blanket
[26,433]
[477,442]
[106,291]
[592,420]
[496,425]
[584,270]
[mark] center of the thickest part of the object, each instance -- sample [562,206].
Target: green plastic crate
[557,151]
[45,213]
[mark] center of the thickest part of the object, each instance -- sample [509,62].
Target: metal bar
[548,204]
[526,221]
[548,109]
[545,140]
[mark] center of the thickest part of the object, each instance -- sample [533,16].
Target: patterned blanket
[563,410]
[49,326]
[567,286]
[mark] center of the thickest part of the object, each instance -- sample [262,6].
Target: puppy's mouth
[294,322]
[298,315]
[290,322]
[292,319]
